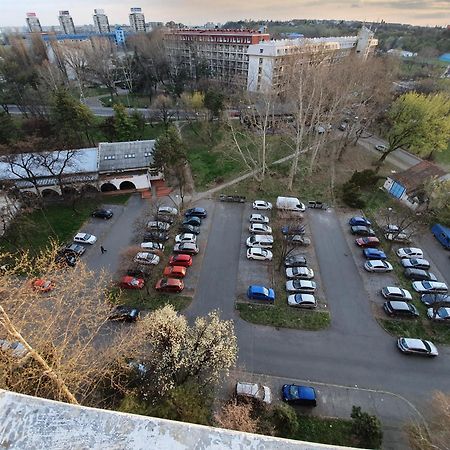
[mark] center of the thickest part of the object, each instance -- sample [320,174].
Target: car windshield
[426,285]
[134,282]
[293,391]
[86,236]
[443,313]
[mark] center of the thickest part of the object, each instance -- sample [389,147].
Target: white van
[260,241]
[290,204]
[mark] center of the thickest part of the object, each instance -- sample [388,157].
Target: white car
[152,246]
[430,287]
[302,300]
[260,240]
[306,286]
[157,225]
[380,147]
[397,237]
[416,263]
[396,293]
[260,254]
[259,228]
[258,218]
[409,252]
[417,347]
[442,314]
[146,258]
[254,390]
[377,265]
[299,272]
[14,348]
[168,210]
[85,238]
[262,204]
[186,237]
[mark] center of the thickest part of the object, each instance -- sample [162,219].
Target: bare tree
[163,105]
[237,416]
[57,163]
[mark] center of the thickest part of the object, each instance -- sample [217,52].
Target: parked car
[295,261]
[302,301]
[260,240]
[169,285]
[260,254]
[377,265]
[441,314]
[189,229]
[168,210]
[76,249]
[397,237]
[396,293]
[146,258]
[409,252]
[43,285]
[431,299]
[186,237]
[193,220]
[417,347]
[400,309]
[255,391]
[368,241]
[361,230]
[102,213]
[359,221]
[391,228]
[174,272]
[293,229]
[85,238]
[290,204]
[342,126]
[125,313]
[129,282]
[66,258]
[305,286]
[299,395]
[157,236]
[381,148]
[415,263]
[15,348]
[138,272]
[180,260]
[198,212]
[258,218]
[299,272]
[259,228]
[152,246]
[187,248]
[158,226]
[255,292]
[442,234]
[297,239]
[419,275]
[165,218]
[261,204]
[430,287]
[374,253]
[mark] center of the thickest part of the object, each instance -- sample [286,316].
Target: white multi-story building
[66,22]
[269,61]
[137,20]
[101,22]
[33,23]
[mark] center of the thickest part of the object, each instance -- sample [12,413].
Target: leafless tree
[75,56]
[237,416]
[163,106]
[57,163]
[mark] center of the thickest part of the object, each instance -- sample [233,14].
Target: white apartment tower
[137,20]
[34,26]
[101,21]
[66,22]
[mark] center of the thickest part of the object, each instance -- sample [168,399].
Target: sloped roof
[414,177]
[116,156]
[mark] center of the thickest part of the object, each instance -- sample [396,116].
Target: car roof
[415,344]
[258,289]
[394,289]
[171,281]
[181,257]
[400,305]
[304,282]
[305,298]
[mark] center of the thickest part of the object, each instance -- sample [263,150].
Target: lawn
[443,157]
[130,100]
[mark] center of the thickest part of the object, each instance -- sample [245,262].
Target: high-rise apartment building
[66,22]
[34,26]
[101,22]
[137,20]
[223,53]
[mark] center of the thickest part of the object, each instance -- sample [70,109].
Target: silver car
[377,265]
[156,225]
[417,347]
[258,218]
[306,286]
[146,258]
[259,228]
[254,390]
[299,272]
[409,252]
[152,246]
[186,237]
[441,314]
[302,301]
[416,263]
[396,293]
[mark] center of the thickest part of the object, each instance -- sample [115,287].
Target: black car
[189,229]
[125,313]
[361,230]
[198,212]
[193,220]
[68,259]
[164,218]
[137,272]
[156,236]
[400,309]
[102,213]
[431,299]
[419,275]
[76,249]
[295,261]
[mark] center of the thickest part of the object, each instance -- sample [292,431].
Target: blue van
[442,234]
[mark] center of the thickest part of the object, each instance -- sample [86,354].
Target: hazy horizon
[197,12]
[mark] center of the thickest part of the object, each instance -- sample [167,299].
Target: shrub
[367,428]
[285,420]
[351,195]
[365,178]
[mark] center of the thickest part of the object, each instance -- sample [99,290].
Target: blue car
[255,292]
[359,221]
[299,395]
[374,253]
[192,220]
[198,212]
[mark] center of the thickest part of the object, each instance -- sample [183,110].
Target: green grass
[443,157]
[130,100]
[283,317]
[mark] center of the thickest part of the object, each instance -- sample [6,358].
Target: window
[261,50]
[108,157]
[260,60]
[147,154]
[129,155]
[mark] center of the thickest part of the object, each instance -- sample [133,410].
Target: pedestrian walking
[103,250]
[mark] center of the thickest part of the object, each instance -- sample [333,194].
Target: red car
[43,285]
[182,260]
[128,282]
[174,272]
[169,285]
[367,242]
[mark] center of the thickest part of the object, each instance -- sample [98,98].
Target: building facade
[222,52]
[66,22]
[269,61]
[137,20]
[101,22]
[33,23]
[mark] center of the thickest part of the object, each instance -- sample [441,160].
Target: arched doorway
[127,185]
[108,187]
[50,194]
[88,190]
[69,192]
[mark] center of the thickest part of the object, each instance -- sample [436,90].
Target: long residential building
[222,52]
[33,23]
[66,22]
[269,61]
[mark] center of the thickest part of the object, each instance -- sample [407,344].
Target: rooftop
[414,177]
[220,31]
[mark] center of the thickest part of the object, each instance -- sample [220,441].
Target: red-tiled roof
[415,176]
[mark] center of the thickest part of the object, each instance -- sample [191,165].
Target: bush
[366,427]
[351,195]
[364,179]
[285,420]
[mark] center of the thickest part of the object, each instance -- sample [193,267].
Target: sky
[198,12]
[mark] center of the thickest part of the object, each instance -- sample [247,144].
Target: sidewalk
[393,411]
